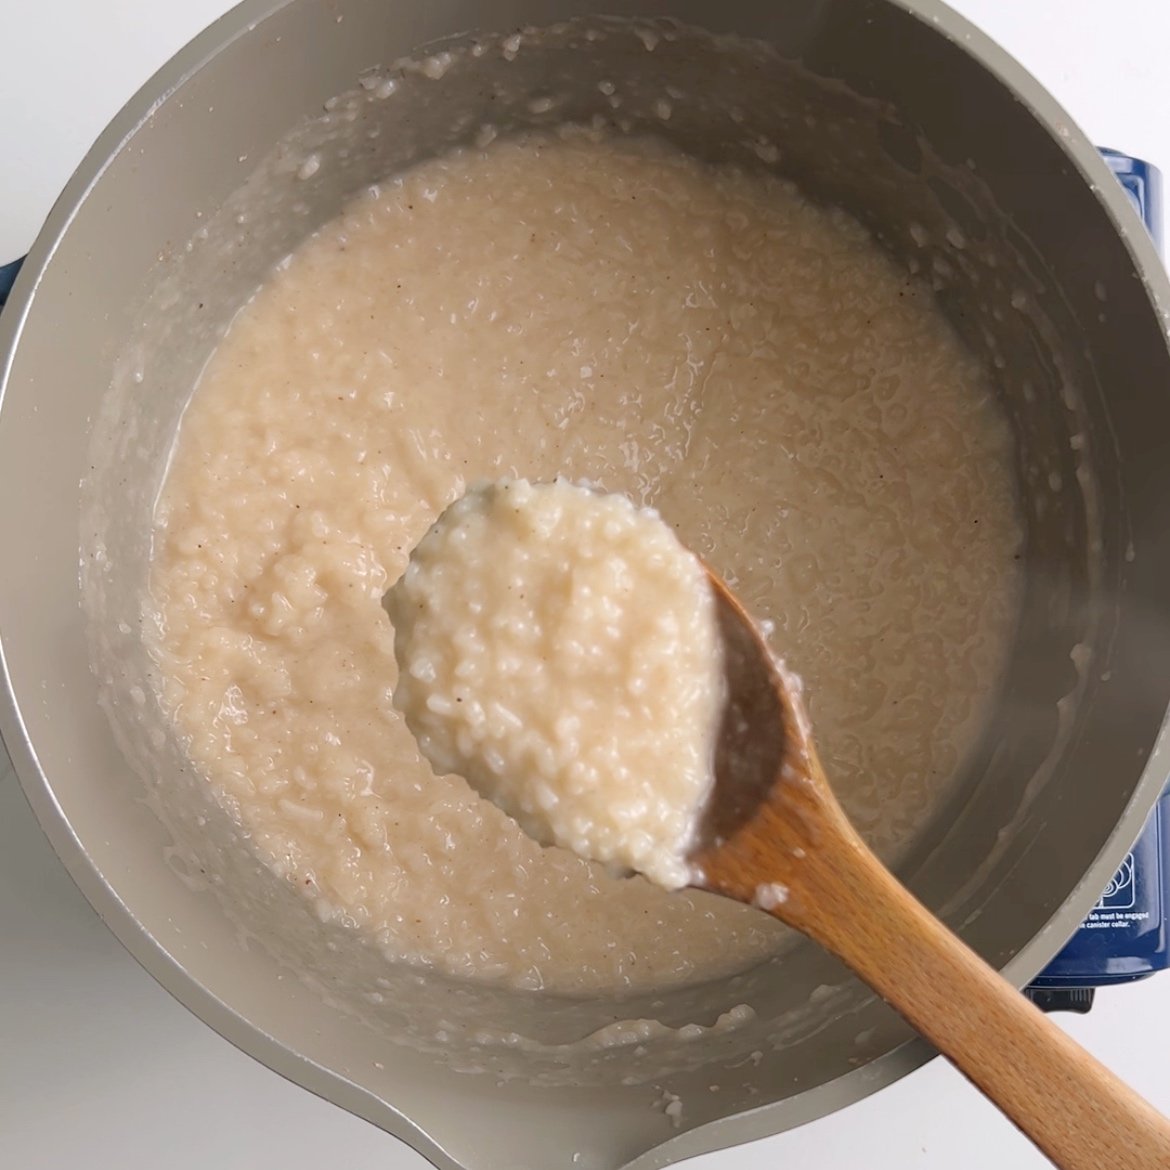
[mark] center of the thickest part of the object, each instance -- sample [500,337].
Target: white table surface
[98,1066]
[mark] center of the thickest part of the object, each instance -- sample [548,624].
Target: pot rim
[325,1082]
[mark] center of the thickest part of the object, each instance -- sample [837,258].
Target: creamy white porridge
[559,649]
[706,342]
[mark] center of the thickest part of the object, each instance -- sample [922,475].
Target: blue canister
[1142,182]
[1126,937]
[8,278]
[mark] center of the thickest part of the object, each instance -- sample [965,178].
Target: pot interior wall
[865,107]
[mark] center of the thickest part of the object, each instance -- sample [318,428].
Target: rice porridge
[559,649]
[704,341]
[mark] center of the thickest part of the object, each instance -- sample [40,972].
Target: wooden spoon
[777,838]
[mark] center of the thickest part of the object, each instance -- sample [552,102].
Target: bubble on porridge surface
[559,649]
[727,321]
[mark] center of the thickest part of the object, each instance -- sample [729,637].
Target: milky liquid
[706,342]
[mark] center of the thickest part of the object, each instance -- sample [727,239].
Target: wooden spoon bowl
[776,837]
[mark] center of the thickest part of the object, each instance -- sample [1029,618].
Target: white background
[98,1066]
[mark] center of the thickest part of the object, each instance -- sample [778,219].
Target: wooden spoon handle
[1077,1111]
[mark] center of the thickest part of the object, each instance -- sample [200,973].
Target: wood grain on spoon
[776,837]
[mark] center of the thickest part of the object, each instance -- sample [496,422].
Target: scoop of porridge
[705,341]
[559,649]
